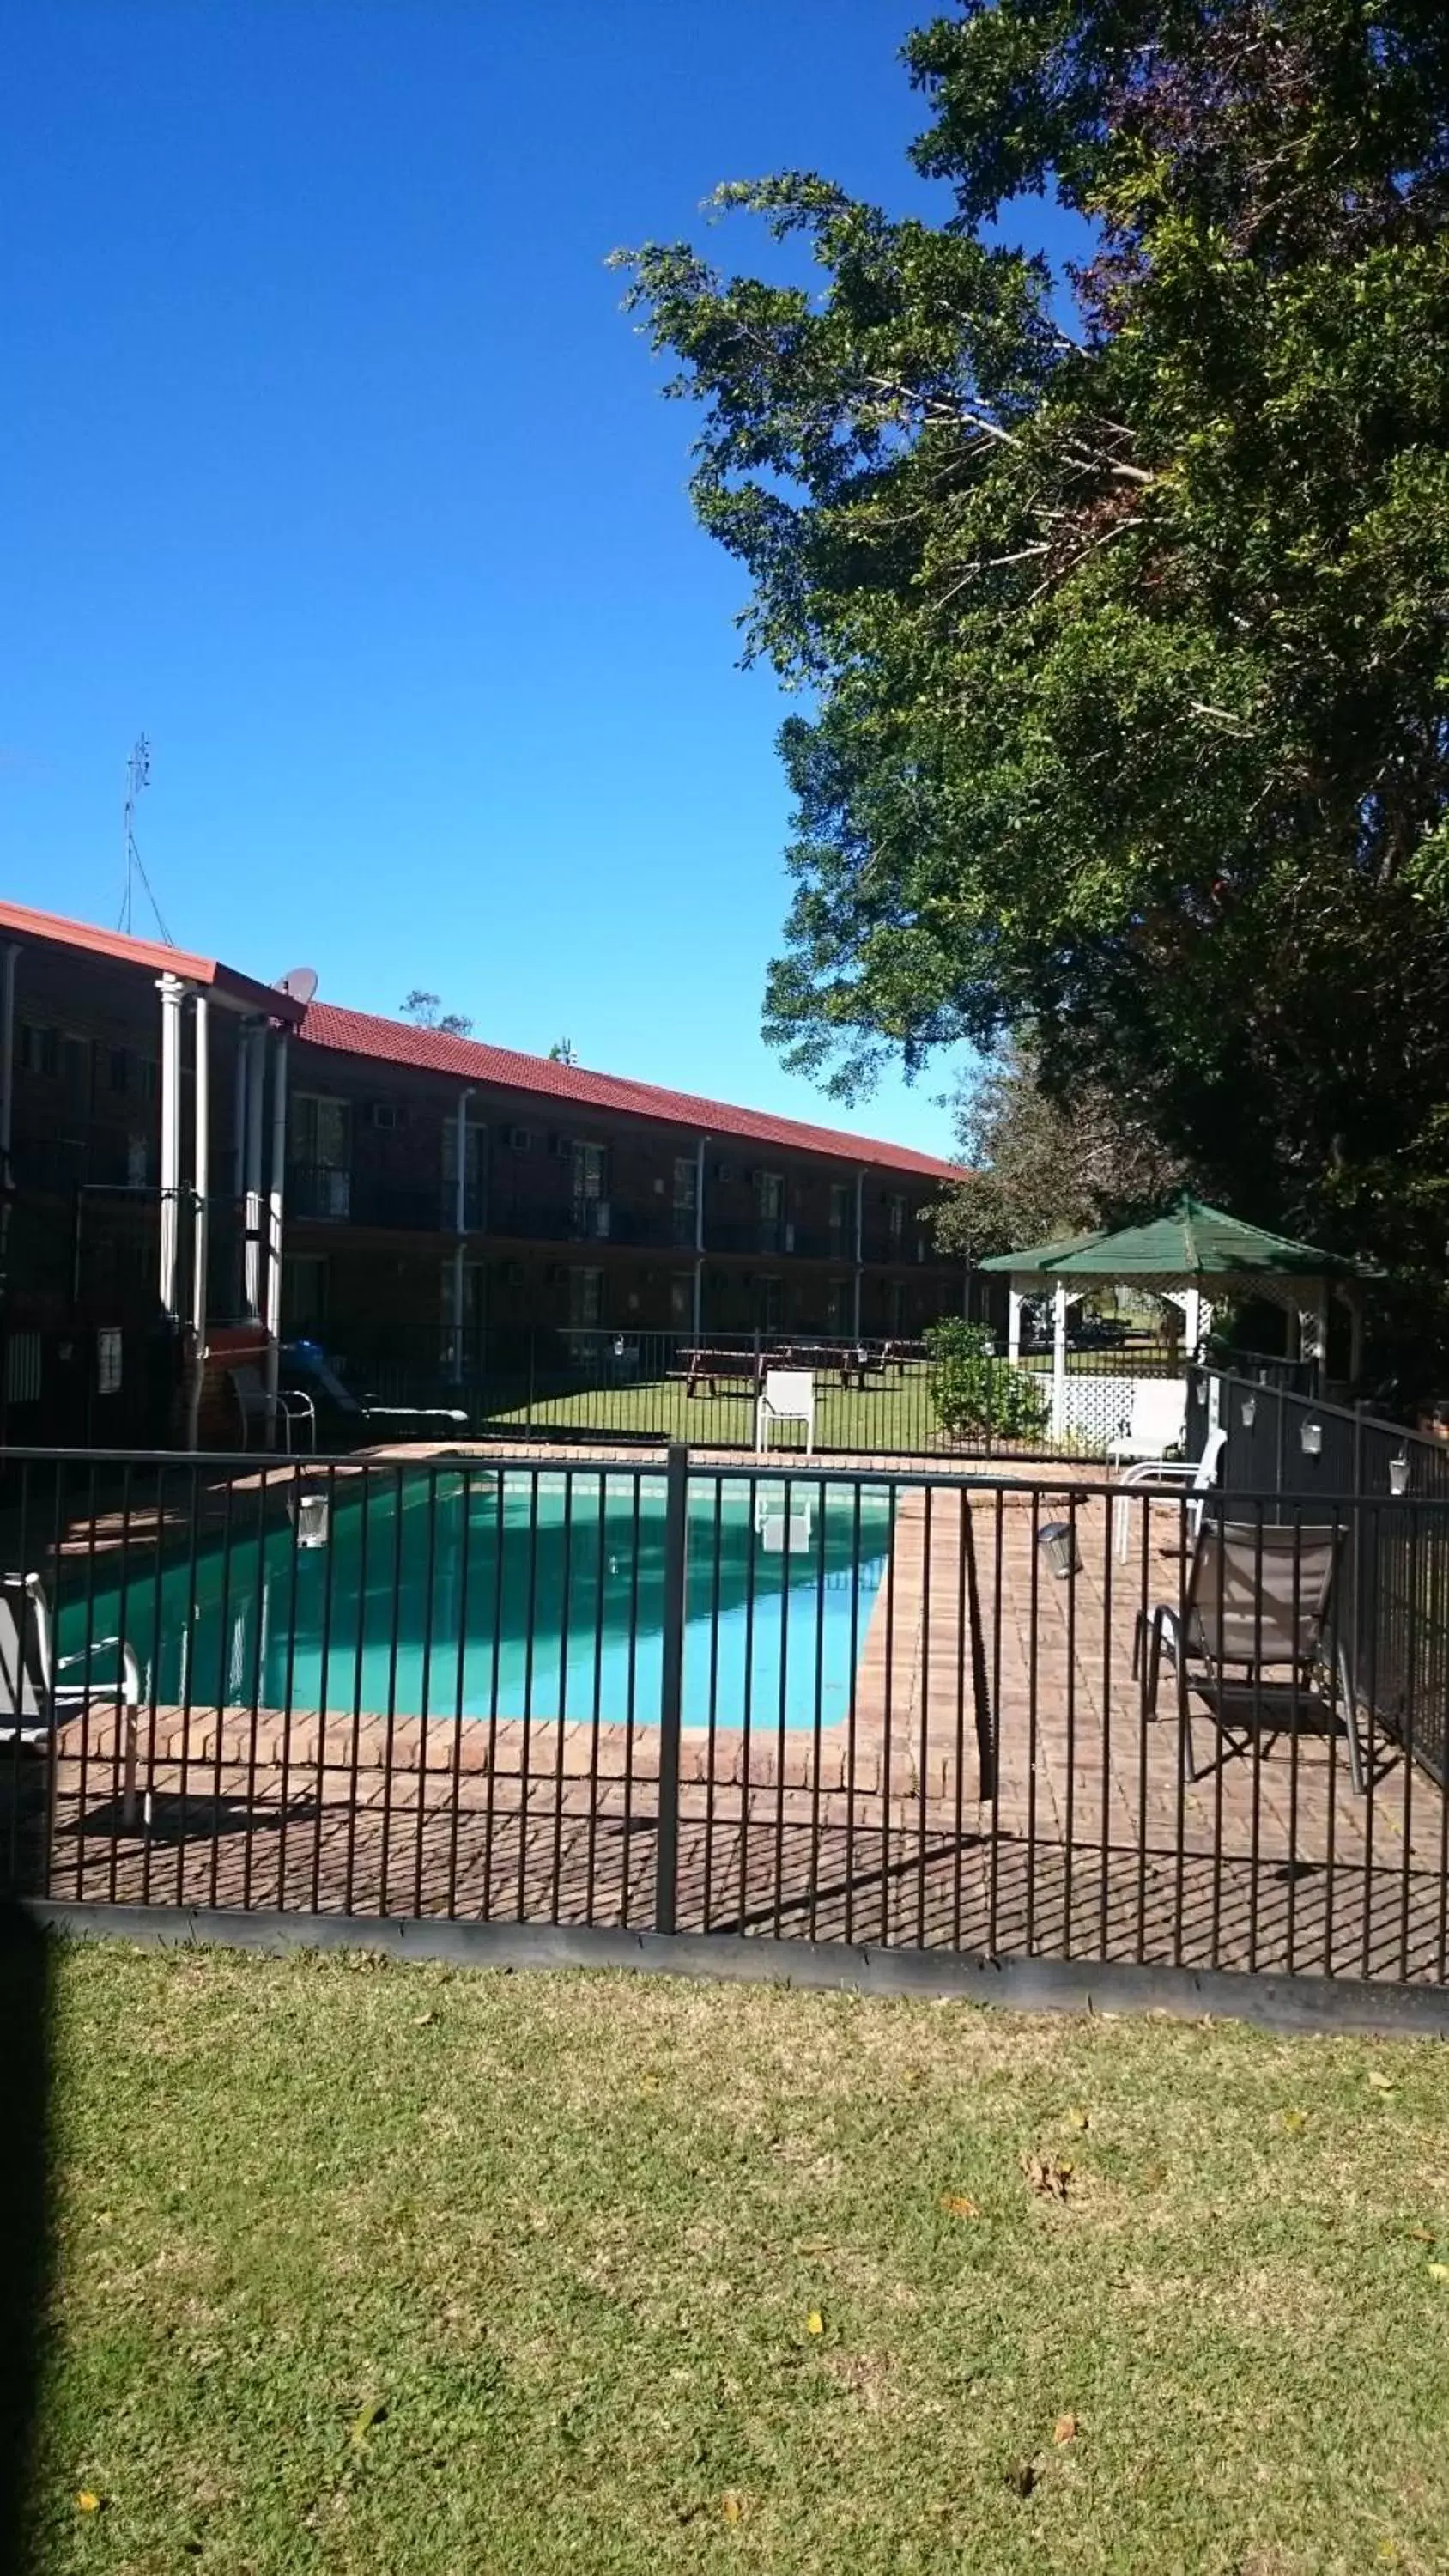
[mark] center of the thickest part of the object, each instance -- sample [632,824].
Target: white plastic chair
[1157,1423]
[788,1395]
[1193,1478]
[33,1703]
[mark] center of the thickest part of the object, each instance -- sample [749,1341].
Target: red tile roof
[359,1033]
[53,928]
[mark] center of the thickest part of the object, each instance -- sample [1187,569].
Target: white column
[1059,1357]
[201,1184]
[1013,1323]
[171,991]
[859,1244]
[252,1202]
[1192,1322]
[1313,1334]
[274,1211]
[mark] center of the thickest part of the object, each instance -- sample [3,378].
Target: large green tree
[1124,633]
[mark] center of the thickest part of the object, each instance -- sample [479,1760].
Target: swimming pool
[520,1595]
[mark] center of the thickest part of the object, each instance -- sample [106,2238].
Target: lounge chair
[788,1395]
[1256,1601]
[261,1410]
[33,1702]
[1191,1478]
[361,1408]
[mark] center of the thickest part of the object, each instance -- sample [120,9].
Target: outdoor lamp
[312,1512]
[1399,1474]
[1311,1437]
[1058,1543]
[1249,1411]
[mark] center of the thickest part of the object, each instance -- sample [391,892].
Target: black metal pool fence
[1009,1716]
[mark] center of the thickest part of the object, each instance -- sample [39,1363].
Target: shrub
[974,1393]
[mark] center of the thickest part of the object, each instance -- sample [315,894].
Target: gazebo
[1197,1257]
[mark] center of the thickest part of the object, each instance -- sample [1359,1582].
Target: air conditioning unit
[560,1146]
[722,1172]
[555,1276]
[519,1140]
[387,1115]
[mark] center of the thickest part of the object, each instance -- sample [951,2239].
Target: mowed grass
[367,2268]
[893,1419]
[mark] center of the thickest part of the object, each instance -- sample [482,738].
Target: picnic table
[709,1366]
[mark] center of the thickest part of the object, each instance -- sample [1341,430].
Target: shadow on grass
[25,1971]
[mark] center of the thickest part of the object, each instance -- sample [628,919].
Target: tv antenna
[138,775]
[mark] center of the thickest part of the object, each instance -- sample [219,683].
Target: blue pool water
[521,1596]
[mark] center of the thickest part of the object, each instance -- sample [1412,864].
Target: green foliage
[1128,642]
[973,1393]
[1041,1167]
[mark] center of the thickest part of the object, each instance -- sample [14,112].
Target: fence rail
[905,1708]
[875,1394]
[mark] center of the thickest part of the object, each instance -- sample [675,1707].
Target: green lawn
[895,1417]
[413,2273]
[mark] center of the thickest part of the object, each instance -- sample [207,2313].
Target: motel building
[200,1167]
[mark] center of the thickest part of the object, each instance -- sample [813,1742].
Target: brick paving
[976,1661]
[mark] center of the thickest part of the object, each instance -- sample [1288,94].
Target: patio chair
[1256,1600]
[1156,1424]
[1192,1478]
[361,1408]
[260,1409]
[33,1703]
[788,1395]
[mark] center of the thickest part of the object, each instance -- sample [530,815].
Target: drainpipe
[699,1238]
[274,1214]
[460,1223]
[859,1243]
[172,992]
[252,1202]
[201,1184]
[9,960]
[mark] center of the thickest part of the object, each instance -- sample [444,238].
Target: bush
[974,1393]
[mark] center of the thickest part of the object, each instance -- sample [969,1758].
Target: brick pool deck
[877,1830]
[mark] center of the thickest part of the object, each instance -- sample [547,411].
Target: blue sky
[331,463]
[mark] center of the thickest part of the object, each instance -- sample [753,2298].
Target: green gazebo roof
[1190,1242]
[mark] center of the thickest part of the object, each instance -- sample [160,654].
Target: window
[39,1049]
[681,1302]
[686,1176]
[120,1069]
[896,1217]
[897,1305]
[321,1132]
[304,1294]
[586,1297]
[138,1162]
[591,1170]
[459,1330]
[75,1061]
[837,1306]
[769,1303]
[840,1211]
[769,1197]
[147,1076]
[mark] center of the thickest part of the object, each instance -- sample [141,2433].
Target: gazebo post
[1354,1302]
[1013,1323]
[1059,1357]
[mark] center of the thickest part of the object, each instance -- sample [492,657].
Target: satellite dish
[299,984]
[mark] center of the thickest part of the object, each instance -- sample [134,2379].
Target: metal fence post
[671,1687]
